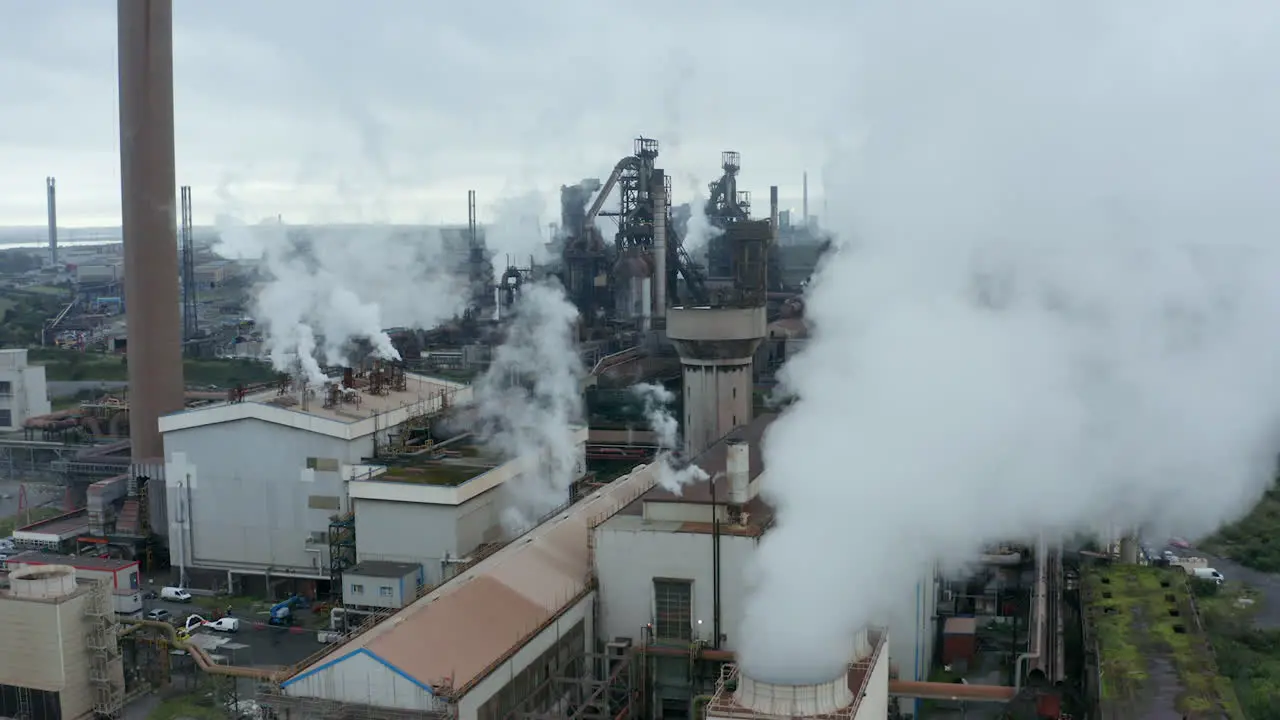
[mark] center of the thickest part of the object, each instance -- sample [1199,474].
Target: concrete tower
[717,342]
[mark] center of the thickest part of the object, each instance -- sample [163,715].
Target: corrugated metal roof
[456,634]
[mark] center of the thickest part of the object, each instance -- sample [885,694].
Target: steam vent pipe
[144,30]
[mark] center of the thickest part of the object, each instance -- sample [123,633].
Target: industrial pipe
[658,191]
[201,659]
[951,691]
[1038,608]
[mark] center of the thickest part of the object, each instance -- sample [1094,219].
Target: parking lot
[257,644]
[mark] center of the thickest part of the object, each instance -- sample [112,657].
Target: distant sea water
[29,237]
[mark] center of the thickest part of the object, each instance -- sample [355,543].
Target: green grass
[9,524]
[443,474]
[180,708]
[1130,610]
[73,365]
[1254,540]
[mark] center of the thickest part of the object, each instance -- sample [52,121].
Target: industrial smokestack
[659,190]
[52,201]
[773,210]
[144,30]
[806,200]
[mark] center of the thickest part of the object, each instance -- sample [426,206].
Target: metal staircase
[104,652]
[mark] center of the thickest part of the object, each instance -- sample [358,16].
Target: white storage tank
[738,468]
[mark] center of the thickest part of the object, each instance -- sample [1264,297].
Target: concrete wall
[629,557]
[875,703]
[424,534]
[360,678]
[911,630]
[27,394]
[32,631]
[240,496]
[717,399]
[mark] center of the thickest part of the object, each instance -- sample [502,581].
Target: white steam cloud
[698,232]
[515,235]
[1061,310]
[672,473]
[529,403]
[325,286]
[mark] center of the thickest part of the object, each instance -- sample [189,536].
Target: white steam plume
[324,286]
[698,232]
[1061,310]
[672,473]
[515,235]
[530,399]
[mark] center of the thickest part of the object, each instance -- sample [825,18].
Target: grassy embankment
[1254,540]
[9,524]
[1247,656]
[72,365]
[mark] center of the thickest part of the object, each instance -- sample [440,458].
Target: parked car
[159,615]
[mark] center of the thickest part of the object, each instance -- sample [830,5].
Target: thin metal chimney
[52,201]
[149,219]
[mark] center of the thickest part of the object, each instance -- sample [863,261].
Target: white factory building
[436,514]
[540,624]
[258,490]
[59,639]
[23,391]
[252,486]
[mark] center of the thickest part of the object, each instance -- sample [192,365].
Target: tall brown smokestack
[149,219]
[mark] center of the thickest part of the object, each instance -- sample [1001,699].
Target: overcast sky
[328,109]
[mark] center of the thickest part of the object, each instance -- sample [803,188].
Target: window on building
[357,589]
[6,388]
[6,417]
[673,609]
[385,591]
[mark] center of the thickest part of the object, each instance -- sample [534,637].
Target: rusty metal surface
[149,217]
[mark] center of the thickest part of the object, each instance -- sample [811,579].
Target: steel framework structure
[605,692]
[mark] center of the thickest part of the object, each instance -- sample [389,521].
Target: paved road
[268,646]
[1268,584]
[68,388]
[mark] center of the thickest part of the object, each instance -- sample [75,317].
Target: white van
[1208,573]
[175,594]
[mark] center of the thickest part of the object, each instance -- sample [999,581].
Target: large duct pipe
[52,202]
[659,190]
[149,219]
[1039,605]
